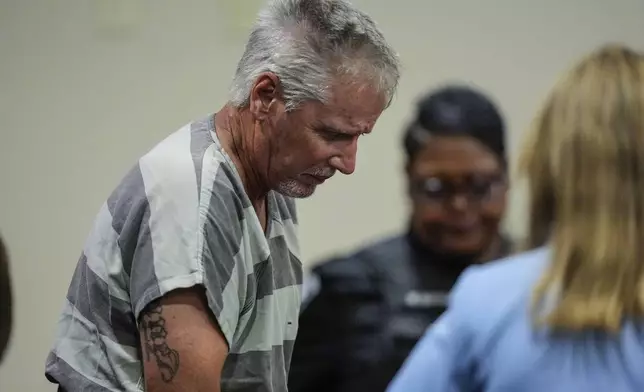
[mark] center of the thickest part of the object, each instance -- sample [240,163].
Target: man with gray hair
[190,278]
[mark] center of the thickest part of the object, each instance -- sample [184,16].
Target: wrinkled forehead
[353,107]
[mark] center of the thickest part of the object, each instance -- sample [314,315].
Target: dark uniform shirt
[369,311]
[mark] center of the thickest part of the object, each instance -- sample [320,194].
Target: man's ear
[265,95]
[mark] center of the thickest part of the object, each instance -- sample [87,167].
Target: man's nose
[345,162]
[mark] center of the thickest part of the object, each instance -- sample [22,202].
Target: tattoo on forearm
[156,345]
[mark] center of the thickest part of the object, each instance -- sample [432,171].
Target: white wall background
[86,87]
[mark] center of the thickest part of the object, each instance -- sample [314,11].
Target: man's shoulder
[188,168]
[191,156]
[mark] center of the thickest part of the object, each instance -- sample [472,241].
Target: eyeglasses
[476,188]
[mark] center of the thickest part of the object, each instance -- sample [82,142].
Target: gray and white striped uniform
[181,218]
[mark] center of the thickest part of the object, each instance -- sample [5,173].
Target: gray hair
[306,43]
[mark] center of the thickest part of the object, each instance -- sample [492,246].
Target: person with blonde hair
[567,314]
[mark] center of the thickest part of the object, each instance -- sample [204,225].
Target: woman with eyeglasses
[368,309]
[568,315]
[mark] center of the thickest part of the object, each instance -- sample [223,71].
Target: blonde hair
[584,162]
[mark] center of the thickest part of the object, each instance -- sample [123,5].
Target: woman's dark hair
[456,111]
[5,300]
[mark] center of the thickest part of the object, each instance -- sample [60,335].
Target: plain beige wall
[80,101]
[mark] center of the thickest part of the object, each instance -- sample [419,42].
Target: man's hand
[183,348]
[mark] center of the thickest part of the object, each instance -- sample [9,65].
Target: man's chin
[296,189]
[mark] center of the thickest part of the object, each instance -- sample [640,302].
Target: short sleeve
[190,236]
[443,359]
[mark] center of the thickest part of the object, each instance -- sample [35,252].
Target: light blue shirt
[485,342]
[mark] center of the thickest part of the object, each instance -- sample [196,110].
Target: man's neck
[236,132]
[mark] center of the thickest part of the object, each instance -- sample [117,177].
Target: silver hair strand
[306,43]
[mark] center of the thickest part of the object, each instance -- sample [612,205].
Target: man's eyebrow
[328,128]
[332,129]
